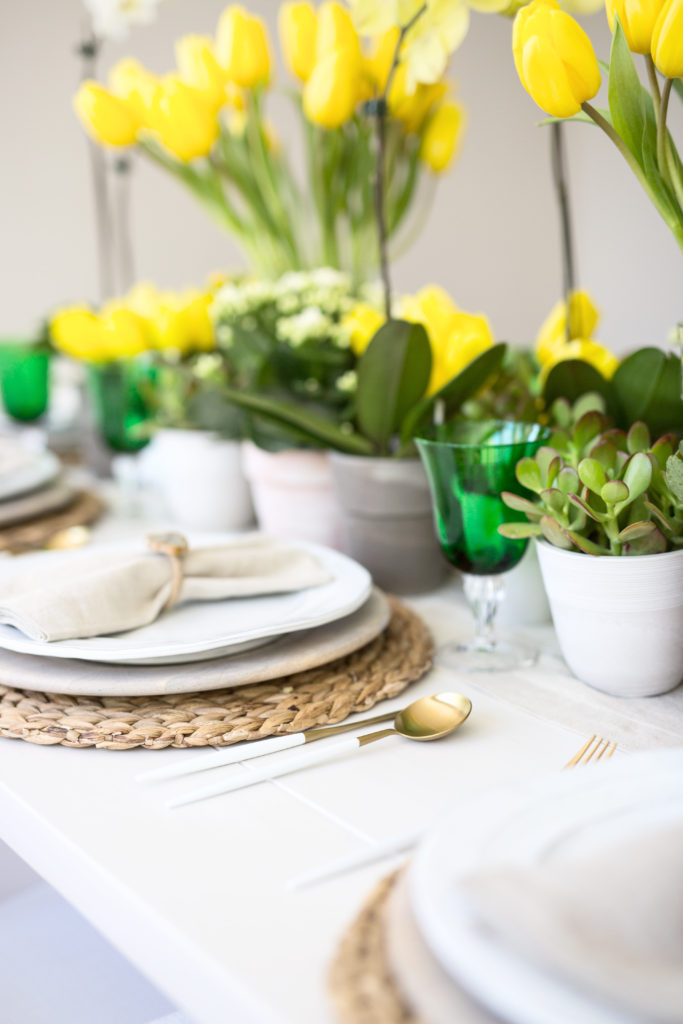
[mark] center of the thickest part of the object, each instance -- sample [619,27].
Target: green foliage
[602,491]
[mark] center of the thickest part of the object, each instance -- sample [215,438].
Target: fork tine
[577,757]
[610,750]
[600,748]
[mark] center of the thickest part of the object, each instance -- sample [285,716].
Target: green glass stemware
[24,379]
[469,464]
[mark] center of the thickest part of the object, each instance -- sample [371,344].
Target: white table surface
[196,898]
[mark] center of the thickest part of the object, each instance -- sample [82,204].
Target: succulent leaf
[520,504]
[615,491]
[638,438]
[636,531]
[529,475]
[555,500]
[587,429]
[568,479]
[519,531]
[553,532]
[654,544]
[637,476]
[664,448]
[585,507]
[587,546]
[606,454]
[545,457]
[674,474]
[592,475]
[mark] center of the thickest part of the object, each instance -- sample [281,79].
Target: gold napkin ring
[174,546]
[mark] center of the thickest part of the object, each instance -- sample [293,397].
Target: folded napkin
[610,923]
[97,593]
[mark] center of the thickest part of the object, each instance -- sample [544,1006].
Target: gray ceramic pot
[387,521]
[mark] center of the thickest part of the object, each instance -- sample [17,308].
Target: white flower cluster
[111,19]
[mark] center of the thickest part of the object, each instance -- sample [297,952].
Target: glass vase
[120,393]
[24,379]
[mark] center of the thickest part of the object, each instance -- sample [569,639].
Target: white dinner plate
[29,476]
[204,629]
[553,818]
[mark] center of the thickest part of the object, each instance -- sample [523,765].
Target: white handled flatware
[429,718]
[255,748]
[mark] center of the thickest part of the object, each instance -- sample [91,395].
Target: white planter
[293,494]
[200,478]
[619,620]
[526,603]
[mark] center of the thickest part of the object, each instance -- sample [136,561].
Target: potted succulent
[608,516]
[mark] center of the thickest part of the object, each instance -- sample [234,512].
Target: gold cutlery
[594,748]
[429,718]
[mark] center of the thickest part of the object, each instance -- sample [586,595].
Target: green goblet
[24,379]
[468,465]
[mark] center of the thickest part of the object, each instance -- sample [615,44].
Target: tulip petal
[545,79]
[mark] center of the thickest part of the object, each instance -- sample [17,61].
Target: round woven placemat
[361,984]
[37,533]
[319,696]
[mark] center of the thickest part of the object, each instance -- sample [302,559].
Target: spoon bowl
[431,718]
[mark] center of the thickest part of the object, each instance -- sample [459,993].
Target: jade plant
[601,490]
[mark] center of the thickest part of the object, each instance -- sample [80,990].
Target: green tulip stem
[654,85]
[562,189]
[661,131]
[609,130]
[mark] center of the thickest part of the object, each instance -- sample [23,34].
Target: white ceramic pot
[526,603]
[619,620]
[293,494]
[200,478]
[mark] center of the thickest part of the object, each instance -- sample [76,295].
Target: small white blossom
[347,382]
[112,19]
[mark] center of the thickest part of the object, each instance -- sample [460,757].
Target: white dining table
[197,898]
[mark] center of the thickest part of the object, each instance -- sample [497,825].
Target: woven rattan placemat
[37,533]
[319,696]
[361,984]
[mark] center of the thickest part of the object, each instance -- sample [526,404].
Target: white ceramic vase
[200,478]
[619,620]
[293,494]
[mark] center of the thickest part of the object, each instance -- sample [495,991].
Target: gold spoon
[429,718]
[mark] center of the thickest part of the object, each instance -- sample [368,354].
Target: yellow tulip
[412,108]
[378,62]
[442,136]
[431,305]
[76,331]
[131,82]
[637,18]
[186,124]
[298,30]
[199,68]
[589,351]
[437,33]
[242,47]
[667,39]
[552,336]
[554,58]
[332,92]
[126,332]
[106,118]
[362,323]
[336,32]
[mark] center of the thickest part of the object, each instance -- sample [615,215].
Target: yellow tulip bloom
[554,58]
[186,124]
[198,67]
[442,137]
[435,36]
[336,32]
[126,332]
[76,331]
[362,323]
[131,82]
[583,320]
[413,108]
[456,337]
[107,119]
[298,31]
[242,47]
[332,92]
[377,63]
[667,40]
[637,18]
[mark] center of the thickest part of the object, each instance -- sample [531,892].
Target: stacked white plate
[450,966]
[29,484]
[245,639]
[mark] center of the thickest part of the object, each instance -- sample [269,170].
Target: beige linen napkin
[99,593]
[610,923]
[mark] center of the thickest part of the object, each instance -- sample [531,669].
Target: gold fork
[594,748]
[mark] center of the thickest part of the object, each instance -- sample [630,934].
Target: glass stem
[484,594]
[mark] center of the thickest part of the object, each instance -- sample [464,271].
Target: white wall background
[491,238]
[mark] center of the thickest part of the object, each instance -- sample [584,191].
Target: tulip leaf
[393,374]
[315,427]
[519,531]
[625,95]
[648,387]
[553,532]
[520,504]
[573,378]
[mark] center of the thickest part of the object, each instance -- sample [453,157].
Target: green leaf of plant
[638,438]
[637,476]
[529,475]
[625,94]
[573,378]
[592,475]
[519,504]
[587,546]
[648,388]
[554,499]
[605,451]
[614,491]
[519,531]
[554,533]
[393,374]
[674,475]
[318,429]
[585,507]
[568,480]
[583,118]
[635,531]
[654,543]
[587,429]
